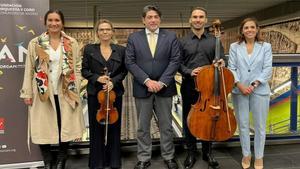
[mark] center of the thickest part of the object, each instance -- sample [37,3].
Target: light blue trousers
[259,106]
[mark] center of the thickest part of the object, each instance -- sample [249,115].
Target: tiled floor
[276,157]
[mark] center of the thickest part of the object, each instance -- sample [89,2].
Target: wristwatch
[254,84]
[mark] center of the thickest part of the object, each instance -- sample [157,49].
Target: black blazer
[93,64]
[162,67]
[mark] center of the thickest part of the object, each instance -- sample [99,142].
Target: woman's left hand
[108,86]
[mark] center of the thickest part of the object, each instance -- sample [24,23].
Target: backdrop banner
[20,22]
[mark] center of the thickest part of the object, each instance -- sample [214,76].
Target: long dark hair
[58,12]
[241,36]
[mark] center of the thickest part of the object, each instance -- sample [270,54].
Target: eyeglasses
[103,30]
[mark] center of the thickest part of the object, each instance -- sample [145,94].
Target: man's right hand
[153,86]
[28,102]
[196,71]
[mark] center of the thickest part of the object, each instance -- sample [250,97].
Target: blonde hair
[101,21]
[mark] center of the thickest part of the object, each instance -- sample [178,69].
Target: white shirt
[156,32]
[148,32]
[54,56]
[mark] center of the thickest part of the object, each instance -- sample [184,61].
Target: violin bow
[216,24]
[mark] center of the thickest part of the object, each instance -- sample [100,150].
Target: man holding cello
[198,50]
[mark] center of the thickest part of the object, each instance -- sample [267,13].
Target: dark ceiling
[126,13]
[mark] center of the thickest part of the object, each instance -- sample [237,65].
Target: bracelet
[254,84]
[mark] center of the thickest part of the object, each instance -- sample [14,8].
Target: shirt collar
[204,35]
[148,31]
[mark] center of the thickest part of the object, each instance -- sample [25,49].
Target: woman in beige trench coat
[51,90]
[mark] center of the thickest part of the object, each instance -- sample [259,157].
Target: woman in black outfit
[96,58]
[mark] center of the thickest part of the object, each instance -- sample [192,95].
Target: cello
[214,83]
[107,114]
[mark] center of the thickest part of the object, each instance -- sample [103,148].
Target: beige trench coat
[42,118]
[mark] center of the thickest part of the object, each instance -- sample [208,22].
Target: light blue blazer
[248,69]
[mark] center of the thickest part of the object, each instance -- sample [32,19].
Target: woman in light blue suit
[250,61]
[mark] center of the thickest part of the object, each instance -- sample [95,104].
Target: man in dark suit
[153,57]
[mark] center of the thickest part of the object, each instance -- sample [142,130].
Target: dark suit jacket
[162,67]
[93,65]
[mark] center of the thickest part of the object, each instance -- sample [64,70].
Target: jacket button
[249,70]
[50,70]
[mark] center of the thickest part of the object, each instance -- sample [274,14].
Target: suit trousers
[162,107]
[102,156]
[259,106]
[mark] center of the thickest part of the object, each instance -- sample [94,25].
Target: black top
[93,64]
[197,52]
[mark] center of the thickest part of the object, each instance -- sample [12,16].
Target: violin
[210,118]
[107,114]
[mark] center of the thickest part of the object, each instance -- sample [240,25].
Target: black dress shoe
[212,162]
[142,165]
[171,164]
[48,165]
[61,164]
[189,161]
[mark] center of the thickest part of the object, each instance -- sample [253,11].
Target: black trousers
[189,97]
[102,156]
[63,146]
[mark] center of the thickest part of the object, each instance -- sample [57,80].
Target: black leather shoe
[48,165]
[142,165]
[212,162]
[61,164]
[189,161]
[171,164]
